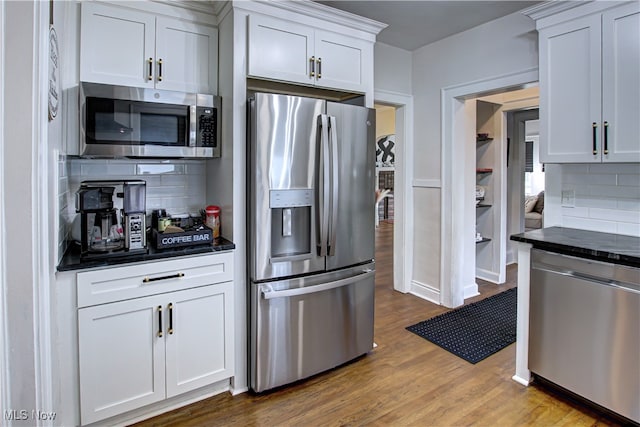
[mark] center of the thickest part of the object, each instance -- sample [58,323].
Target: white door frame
[402,193]
[515,198]
[458,218]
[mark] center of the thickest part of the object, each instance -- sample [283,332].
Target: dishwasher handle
[269,293]
[588,277]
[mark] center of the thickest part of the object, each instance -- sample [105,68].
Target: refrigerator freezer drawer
[306,326]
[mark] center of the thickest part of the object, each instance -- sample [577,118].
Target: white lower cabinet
[143,350]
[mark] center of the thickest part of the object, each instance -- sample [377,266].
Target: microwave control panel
[207,135]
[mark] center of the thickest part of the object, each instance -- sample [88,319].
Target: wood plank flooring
[405,381]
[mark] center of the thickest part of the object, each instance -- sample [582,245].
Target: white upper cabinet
[621,82]
[134,48]
[189,56]
[286,51]
[280,50]
[590,87]
[341,61]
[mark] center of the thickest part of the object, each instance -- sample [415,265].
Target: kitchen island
[579,314]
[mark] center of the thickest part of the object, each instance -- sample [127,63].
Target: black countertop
[72,261]
[608,247]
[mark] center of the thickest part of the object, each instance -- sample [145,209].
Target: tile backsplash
[607,197]
[176,185]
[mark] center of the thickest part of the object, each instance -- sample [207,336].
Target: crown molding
[208,7]
[546,9]
[316,11]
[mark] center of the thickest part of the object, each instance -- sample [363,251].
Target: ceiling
[413,24]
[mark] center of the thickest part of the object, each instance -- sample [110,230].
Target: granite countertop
[72,261]
[608,247]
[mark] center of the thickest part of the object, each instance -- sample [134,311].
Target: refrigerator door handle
[269,293]
[323,187]
[335,178]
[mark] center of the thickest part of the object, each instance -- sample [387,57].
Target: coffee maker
[112,217]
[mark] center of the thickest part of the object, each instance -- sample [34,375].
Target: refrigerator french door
[311,236]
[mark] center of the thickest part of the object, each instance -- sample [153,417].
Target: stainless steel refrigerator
[311,236]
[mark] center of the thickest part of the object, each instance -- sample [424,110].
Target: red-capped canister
[213,219]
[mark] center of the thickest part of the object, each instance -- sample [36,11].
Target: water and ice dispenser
[290,223]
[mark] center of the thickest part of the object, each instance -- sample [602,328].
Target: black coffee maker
[107,230]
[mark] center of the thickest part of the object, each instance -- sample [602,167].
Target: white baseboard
[487,275]
[425,291]
[520,380]
[237,391]
[471,290]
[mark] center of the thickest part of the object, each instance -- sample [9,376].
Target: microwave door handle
[335,177]
[193,120]
[323,187]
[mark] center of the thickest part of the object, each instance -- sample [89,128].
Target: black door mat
[475,331]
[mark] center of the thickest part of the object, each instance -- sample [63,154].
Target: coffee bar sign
[186,238]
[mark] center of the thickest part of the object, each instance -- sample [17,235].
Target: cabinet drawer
[140,280]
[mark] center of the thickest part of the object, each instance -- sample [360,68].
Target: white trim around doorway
[456,276]
[403,190]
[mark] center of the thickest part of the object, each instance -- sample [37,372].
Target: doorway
[401,106]
[522,130]
[458,179]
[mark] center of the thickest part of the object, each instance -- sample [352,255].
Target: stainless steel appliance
[110,228]
[585,329]
[311,236]
[119,121]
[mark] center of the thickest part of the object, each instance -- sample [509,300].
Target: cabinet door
[189,55]
[121,357]
[199,337]
[116,45]
[342,61]
[280,50]
[570,92]
[621,82]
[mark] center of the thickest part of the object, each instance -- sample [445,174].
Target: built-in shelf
[484,240]
[483,170]
[481,141]
[482,205]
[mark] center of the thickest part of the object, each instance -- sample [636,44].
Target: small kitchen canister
[213,219]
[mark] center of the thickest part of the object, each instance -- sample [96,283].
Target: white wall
[392,69]
[607,197]
[21,131]
[498,48]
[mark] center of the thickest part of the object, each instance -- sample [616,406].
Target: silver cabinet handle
[270,293]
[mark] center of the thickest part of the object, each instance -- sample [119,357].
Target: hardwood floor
[405,381]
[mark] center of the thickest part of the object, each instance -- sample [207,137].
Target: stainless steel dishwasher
[585,329]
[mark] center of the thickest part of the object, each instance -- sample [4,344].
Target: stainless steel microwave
[120,121]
